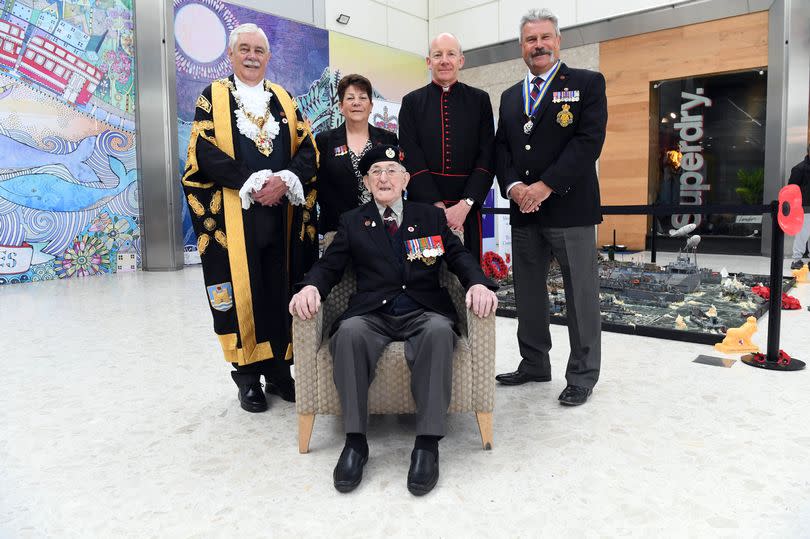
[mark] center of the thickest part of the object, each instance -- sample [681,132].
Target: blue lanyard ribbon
[527,94]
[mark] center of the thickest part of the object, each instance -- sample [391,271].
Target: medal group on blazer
[564,117]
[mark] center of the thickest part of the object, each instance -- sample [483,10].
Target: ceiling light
[343,19]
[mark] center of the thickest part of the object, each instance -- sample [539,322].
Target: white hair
[541,14]
[247,28]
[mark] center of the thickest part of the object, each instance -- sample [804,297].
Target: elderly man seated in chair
[396,248]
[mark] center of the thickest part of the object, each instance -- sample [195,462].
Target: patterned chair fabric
[473,360]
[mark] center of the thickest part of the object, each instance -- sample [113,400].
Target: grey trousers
[800,240]
[575,250]
[429,338]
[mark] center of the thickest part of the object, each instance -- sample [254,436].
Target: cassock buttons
[385,301]
[528,146]
[527,173]
[403,287]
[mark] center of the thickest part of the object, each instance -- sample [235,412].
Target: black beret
[383,152]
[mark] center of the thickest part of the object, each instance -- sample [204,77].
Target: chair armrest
[307,336]
[482,343]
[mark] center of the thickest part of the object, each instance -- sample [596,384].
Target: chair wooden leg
[485,426]
[305,424]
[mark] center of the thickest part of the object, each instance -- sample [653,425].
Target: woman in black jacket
[340,184]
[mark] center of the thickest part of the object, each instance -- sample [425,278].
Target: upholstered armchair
[390,393]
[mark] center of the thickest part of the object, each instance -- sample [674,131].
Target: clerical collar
[444,88]
[544,75]
[396,207]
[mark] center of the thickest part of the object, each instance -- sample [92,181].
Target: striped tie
[390,221]
[536,82]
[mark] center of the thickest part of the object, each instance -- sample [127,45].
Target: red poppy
[791,214]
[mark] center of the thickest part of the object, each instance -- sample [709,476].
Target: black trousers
[269,231]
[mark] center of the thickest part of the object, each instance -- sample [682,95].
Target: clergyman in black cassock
[248,129]
[446,130]
[551,128]
[396,248]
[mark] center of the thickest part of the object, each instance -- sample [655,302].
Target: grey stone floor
[118,419]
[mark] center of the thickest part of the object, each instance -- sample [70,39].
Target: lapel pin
[367,222]
[410,229]
[373,224]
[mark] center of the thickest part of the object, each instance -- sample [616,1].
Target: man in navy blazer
[550,133]
[396,248]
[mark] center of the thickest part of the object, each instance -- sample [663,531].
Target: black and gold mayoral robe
[448,138]
[250,257]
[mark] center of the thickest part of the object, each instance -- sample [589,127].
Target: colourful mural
[306,60]
[68,183]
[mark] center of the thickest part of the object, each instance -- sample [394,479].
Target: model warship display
[680,300]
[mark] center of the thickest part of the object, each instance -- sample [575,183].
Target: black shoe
[349,469]
[575,395]
[252,399]
[424,472]
[284,388]
[517,378]
[797,264]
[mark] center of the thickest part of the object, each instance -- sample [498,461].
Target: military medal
[565,117]
[529,108]
[426,249]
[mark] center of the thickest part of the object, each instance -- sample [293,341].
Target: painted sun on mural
[68,183]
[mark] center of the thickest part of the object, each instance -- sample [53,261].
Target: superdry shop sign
[711,147]
[690,144]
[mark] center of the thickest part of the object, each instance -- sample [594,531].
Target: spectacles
[377,173]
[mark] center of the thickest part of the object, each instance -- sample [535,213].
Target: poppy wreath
[494,266]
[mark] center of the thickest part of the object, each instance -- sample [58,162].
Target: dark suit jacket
[338,188]
[379,279]
[800,175]
[563,157]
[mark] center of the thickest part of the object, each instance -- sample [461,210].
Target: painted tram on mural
[48,64]
[11,41]
[57,68]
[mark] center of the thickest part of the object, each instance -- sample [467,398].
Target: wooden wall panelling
[630,64]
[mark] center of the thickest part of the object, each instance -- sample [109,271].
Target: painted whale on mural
[18,155]
[47,191]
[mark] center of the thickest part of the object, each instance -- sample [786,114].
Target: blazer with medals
[228,237]
[338,187]
[561,149]
[362,240]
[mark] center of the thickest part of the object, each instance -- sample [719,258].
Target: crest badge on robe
[220,296]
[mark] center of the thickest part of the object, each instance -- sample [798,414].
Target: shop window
[708,147]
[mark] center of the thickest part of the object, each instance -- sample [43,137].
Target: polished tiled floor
[118,418]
